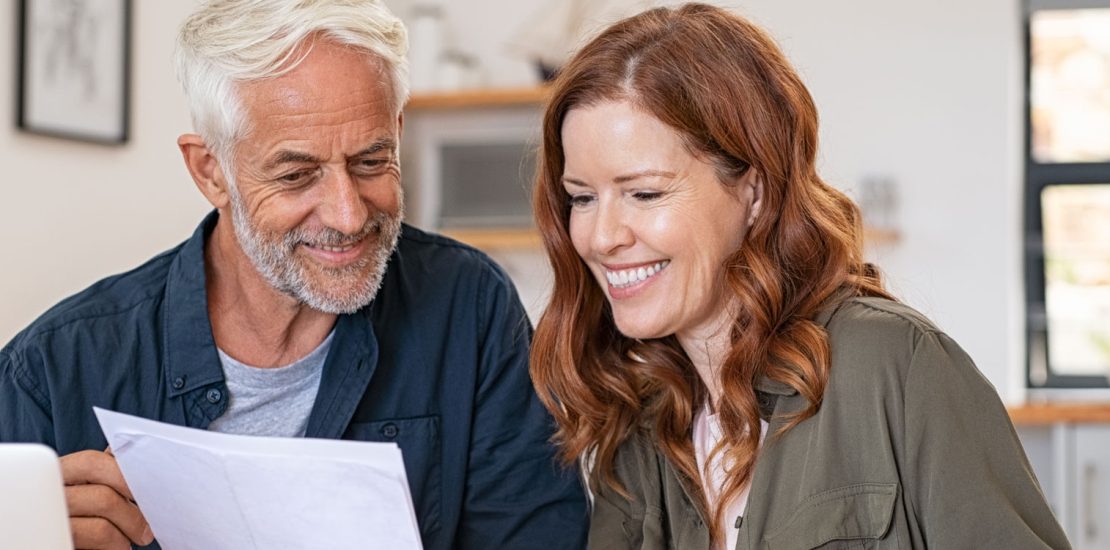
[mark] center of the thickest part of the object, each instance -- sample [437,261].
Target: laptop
[32,499]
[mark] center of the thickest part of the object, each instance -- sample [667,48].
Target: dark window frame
[1038,176]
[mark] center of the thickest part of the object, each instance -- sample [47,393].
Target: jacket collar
[189,356]
[771,387]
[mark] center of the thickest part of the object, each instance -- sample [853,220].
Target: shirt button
[214,396]
[179,382]
[390,430]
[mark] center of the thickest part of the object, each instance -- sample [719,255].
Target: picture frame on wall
[74,69]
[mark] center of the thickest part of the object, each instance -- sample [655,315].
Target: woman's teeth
[629,277]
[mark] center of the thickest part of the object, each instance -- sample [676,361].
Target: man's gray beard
[275,259]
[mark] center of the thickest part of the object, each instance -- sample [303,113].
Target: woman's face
[653,223]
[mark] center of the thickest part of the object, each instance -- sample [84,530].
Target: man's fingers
[94,467]
[102,502]
[97,534]
[101,508]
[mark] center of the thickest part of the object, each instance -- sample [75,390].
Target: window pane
[1070,85]
[1076,222]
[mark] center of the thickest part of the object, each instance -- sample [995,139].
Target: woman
[715,348]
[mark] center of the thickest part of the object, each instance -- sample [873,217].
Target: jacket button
[214,396]
[390,430]
[179,382]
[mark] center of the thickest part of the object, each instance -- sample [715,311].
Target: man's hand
[102,512]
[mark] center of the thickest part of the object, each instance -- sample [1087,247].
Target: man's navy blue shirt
[437,363]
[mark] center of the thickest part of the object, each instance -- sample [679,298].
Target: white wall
[927,93]
[71,212]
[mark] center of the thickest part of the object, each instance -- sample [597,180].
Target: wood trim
[492,97]
[498,239]
[1050,413]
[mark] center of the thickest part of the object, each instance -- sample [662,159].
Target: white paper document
[213,491]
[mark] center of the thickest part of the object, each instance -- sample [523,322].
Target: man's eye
[371,165]
[293,178]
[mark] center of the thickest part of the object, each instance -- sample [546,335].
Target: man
[302,306]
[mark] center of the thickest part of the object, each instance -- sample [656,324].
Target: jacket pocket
[853,516]
[419,441]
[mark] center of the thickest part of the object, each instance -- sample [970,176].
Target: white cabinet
[1090,525]
[1072,463]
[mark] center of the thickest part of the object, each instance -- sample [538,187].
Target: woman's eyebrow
[624,178]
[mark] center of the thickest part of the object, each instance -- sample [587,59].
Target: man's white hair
[227,42]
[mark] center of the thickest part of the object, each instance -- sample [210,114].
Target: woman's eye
[647,196]
[578,201]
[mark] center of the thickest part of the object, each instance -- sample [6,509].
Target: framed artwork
[74,69]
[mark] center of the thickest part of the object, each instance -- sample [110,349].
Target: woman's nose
[611,230]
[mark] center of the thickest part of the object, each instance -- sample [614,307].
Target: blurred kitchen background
[974,135]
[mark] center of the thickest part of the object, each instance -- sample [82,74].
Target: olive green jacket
[911,448]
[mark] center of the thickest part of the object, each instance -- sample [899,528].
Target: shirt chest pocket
[851,517]
[419,441]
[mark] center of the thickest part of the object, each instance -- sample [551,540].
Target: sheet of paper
[211,491]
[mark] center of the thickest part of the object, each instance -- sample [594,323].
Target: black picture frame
[74,69]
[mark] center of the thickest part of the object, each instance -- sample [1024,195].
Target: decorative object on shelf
[436,63]
[457,70]
[878,203]
[563,25]
[74,69]
[425,45]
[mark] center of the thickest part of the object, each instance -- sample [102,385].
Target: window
[1067,197]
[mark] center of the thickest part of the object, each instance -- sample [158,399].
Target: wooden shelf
[527,238]
[465,99]
[1050,413]
[524,239]
[498,239]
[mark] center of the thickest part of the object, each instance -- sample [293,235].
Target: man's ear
[205,169]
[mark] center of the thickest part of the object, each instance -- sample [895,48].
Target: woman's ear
[753,179]
[205,169]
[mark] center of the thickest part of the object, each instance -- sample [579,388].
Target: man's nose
[343,208]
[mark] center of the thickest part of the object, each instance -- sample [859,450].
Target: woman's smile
[627,281]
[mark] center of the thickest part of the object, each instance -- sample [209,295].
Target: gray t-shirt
[272,402]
